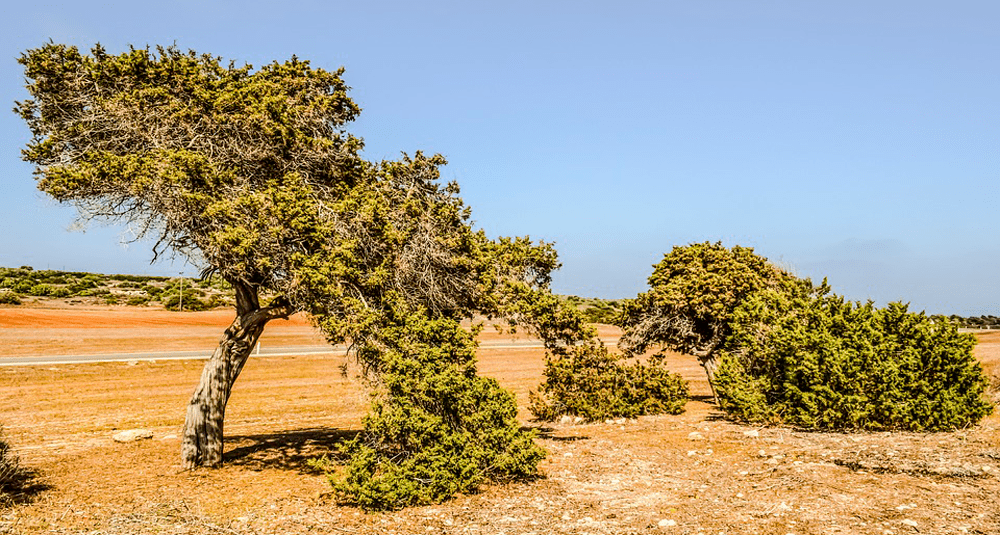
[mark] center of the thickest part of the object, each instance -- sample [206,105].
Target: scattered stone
[909,522]
[566,419]
[694,435]
[132,362]
[753,433]
[667,522]
[132,435]
[762,453]
[168,437]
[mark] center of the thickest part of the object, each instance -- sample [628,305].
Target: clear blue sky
[856,140]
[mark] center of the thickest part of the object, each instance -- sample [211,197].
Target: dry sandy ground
[687,474]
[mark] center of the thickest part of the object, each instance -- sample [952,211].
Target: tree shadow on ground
[548,433]
[286,450]
[20,485]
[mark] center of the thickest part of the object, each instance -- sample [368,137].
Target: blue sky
[854,140]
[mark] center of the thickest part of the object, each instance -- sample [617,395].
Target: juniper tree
[776,348]
[250,175]
[693,293]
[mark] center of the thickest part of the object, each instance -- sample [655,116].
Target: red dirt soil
[690,474]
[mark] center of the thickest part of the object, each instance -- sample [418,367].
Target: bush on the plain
[592,383]
[778,349]
[436,428]
[819,361]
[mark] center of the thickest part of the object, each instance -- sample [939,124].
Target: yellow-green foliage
[250,175]
[693,293]
[789,352]
[436,428]
[818,361]
[582,378]
[590,382]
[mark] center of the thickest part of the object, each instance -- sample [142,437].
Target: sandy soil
[687,474]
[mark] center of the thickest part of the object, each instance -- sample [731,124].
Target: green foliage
[582,378]
[594,384]
[817,361]
[249,175]
[693,294]
[778,349]
[8,297]
[436,428]
[188,302]
[980,322]
[137,300]
[60,292]
[595,310]
[40,290]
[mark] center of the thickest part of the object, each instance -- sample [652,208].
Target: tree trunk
[710,362]
[202,442]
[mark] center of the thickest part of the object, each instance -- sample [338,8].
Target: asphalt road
[52,360]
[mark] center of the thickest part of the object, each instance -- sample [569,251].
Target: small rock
[168,437]
[132,435]
[753,433]
[909,522]
[667,522]
[132,362]
[577,420]
[762,453]
[694,435]
[692,453]
[566,516]
[566,419]
[772,460]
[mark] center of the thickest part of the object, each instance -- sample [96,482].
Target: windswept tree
[693,294]
[779,350]
[250,175]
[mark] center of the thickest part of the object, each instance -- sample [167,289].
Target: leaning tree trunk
[710,362]
[202,443]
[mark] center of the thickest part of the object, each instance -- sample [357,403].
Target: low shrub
[137,300]
[60,292]
[8,297]
[190,303]
[590,382]
[436,428]
[821,362]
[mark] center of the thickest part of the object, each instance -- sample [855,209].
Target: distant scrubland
[26,285]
